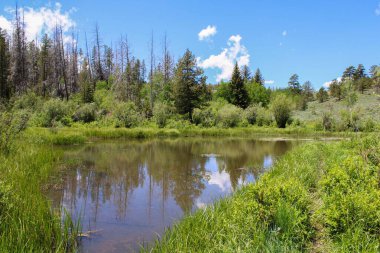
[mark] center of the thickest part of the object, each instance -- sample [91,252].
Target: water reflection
[131,191]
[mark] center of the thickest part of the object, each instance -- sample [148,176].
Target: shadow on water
[128,192]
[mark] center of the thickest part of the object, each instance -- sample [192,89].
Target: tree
[373,70]
[239,95]
[189,84]
[294,84]
[322,95]
[349,73]
[281,108]
[336,90]
[5,89]
[246,73]
[363,83]
[85,83]
[258,78]
[308,91]
[359,72]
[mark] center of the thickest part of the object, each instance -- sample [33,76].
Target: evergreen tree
[360,72]
[239,95]
[322,95]
[246,73]
[349,73]
[45,64]
[85,83]
[5,89]
[336,90]
[189,84]
[307,91]
[372,71]
[258,78]
[294,84]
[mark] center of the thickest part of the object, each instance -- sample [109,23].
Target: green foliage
[85,113]
[11,125]
[327,121]
[250,114]
[205,117]
[223,91]
[281,108]
[239,95]
[294,84]
[229,116]
[53,112]
[162,113]
[258,94]
[102,85]
[322,95]
[189,84]
[126,115]
[264,117]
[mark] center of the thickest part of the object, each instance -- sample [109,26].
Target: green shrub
[54,111]
[86,113]
[281,108]
[229,116]
[264,117]
[28,101]
[327,121]
[126,115]
[204,117]
[162,112]
[11,125]
[250,114]
[368,126]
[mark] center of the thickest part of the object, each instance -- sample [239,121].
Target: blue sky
[315,39]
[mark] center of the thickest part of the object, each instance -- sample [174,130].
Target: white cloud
[269,82]
[209,31]
[327,84]
[225,61]
[44,20]
[284,33]
[5,24]
[377,10]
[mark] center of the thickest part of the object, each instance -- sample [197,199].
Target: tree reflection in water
[131,190]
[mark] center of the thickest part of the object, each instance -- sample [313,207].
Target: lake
[127,192]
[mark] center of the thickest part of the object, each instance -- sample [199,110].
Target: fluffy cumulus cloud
[327,84]
[284,33]
[225,60]
[208,32]
[42,20]
[377,10]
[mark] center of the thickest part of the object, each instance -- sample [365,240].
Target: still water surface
[129,192]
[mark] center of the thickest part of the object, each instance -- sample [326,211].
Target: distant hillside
[368,106]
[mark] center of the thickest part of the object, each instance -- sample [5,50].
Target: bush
[11,125]
[29,101]
[86,113]
[162,112]
[368,126]
[264,117]
[250,114]
[206,117]
[229,116]
[327,121]
[281,108]
[54,111]
[126,115]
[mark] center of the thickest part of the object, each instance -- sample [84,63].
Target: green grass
[27,222]
[321,197]
[368,104]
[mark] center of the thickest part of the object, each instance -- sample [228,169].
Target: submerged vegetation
[331,203]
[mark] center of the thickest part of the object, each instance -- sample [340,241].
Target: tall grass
[300,205]
[27,221]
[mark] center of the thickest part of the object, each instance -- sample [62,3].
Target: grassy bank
[27,222]
[62,136]
[318,198]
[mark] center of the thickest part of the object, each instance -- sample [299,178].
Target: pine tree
[189,84]
[294,84]
[246,74]
[258,78]
[85,83]
[5,89]
[239,95]
[349,73]
[336,90]
[360,72]
[45,65]
[307,91]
